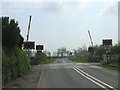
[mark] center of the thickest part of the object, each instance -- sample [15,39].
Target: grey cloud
[112,10]
[58,6]
[51,7]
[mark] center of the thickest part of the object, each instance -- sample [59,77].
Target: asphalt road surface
[63,73]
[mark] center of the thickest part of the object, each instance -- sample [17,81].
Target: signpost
[29,45]
[107,43]
[91,49]
[39,49]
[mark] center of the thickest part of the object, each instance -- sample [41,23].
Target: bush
[23,62]
[34,61]
[6,71]
[40,58]
[14,64]
[80,57]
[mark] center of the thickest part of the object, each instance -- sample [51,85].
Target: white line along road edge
[91,78]
[38,84]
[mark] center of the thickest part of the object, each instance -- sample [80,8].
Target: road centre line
[89,78]
[93,79]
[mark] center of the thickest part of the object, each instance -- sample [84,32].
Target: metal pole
[29,28]
[28,35]
[92,54]
[90,38]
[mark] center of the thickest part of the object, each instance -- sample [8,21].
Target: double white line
[94,80]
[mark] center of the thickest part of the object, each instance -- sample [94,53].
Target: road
[63,73]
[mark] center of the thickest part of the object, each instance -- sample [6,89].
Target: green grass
[48,61]
[80,57]
[43,59]
[115,67]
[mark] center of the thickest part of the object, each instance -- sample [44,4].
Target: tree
[68,52]
[115,49]
[48,53]
[10,33]
[61,52]
[0,31]
[58,52]
[21,39]
[54,54]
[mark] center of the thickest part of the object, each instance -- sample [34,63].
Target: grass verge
[48,61]
[82,59]
[114,67]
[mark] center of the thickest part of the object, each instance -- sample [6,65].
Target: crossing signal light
[29,45]
[90,49]
[107,42]
[39,47]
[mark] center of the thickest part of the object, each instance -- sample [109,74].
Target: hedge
[14,64]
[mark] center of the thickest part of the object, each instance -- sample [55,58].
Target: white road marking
[92,78]
[38,85]
[89,78]
[96,79]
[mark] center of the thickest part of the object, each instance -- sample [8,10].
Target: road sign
[29,45]
[107,42]
[39,47]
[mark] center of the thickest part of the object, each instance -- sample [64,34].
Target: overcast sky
[65,23]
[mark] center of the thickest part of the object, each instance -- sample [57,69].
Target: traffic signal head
[39,47]
[90,49]
[29,45]
[107,42]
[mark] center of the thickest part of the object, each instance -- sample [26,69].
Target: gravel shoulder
[29,80]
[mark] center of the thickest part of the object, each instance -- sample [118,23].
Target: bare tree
[48,53]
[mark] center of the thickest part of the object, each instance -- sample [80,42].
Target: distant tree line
[62,52]
[96,53]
